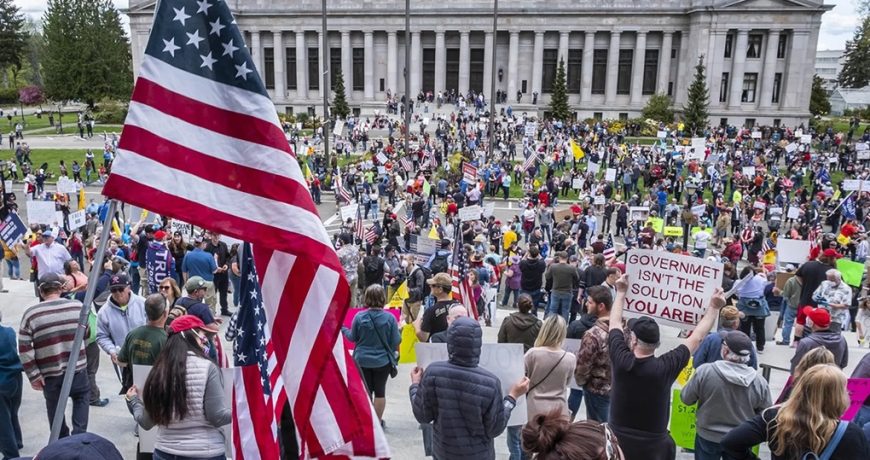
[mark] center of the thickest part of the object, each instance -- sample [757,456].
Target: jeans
[10,430]
[160,455]
[755,323]
[597,406]
[507,294]
[707,450]
[788,317]
[13,268]
[92,351]
[560,304]
[221,285]
[537,299]
[237,282]
[515,443]
[134,281]
[80,394]
[575,397]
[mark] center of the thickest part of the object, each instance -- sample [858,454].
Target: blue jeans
[10,430]
[707,450]
[507,294]
[515,443]
[13,268]
[575,397]
[237,282]
[160,455]
[537,299]
[560,304]
[597,406]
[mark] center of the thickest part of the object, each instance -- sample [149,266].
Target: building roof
[855,96]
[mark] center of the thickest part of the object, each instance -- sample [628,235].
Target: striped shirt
[46,337]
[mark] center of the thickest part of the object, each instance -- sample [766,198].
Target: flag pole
[324,55]
[492,77]
[408,76]
[96,268]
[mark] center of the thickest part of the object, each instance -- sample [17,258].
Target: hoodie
[520,328]
[833,341]
[727,393]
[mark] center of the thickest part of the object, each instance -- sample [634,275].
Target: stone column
[537,62]
[301,66]
[440,62]
[738,62]
[278,53]
[347,63]
[464,61]
[369,65]
[793,92]
[257,52]
[488,46]
[586,77]
[513,57]
[563,48]
[637,68]
[769,70]
[416,62]
[612,68]
[392,60]
[665,63]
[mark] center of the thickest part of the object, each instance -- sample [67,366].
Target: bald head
[456,311]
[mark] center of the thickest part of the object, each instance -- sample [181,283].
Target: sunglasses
[165,288]
[116,290]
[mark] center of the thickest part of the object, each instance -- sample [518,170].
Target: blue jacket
[370,331]
[10,364]
[711,351]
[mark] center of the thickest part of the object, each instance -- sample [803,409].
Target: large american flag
[202,143]
[462,289]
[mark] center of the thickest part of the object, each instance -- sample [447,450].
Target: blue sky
[838,25]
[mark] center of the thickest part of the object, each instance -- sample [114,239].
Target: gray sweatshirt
[727,393]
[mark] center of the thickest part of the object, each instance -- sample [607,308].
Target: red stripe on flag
[226,122]
[237,437]
[259,410]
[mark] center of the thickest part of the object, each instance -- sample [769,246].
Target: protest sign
[76,220]
[7,185]
[408,345]
[351,314]
[852,271]
[488,209]
[610,174]
[12,229]
[859,390]
[855,184]
[182,227]
[382,170]
[470,213]
[673,288]
[699,210]
[505,360]
[673,231]
[572,346]
[339,127]
[682,421]
[66,185]
[781,278]
[41,212]
[426,246]
[791,147]
[147,437]
[577,183]
[759,204]
[686,374]
[792,251]
[662,134]
[658,224]
[749,170]
[756,134]
[426,122]
[381,158]
[863,154]
[598,199]
[349,211]
[638,213]
[793,212]
[531,129]
[592,167]
[806,138]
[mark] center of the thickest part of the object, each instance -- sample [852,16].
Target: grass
[53,157]
[32,122]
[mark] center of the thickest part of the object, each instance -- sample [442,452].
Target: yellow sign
[686,373]
[399,297]
[577,151]
[657,223]
[673,231]
[407,354]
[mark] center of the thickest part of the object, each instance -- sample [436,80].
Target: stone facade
[759,53]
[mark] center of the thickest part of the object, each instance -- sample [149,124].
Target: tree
[658,108]
[31,95]
[86,56]
[559,109]
[819,103]
[695,110]
[339,101]
[856,72]
[13,38]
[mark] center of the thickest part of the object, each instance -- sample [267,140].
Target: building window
[623,79]
[334,65]
[359,73]
[313,68]
[475,70]
[574,70]
[551,58]
[451,80]
[750,81]
[650,71]
[729,45]
[598,115]
[753,48]
[670,88]
[623,116]
[599,71]
[777,84]
[269,67]
[780,47]
[777,122]
[673,53]
[723,87]
[290,67]
[382,85]
[750,123]
[723,122]
[429,70]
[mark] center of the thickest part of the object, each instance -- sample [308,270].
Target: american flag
[433,162]
[462,290]
[340,190]
[359,227]
[813,236]
[609,250]
[531,159]
[408,222]
[371,235]
[406,164]
[202,143]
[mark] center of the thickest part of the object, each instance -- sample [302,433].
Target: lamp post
[492,100]
[324,51]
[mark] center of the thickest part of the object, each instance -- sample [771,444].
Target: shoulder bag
[832,443]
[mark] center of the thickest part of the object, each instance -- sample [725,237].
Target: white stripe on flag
[324,423]
[250,447]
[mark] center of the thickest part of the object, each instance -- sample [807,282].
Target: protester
[753,305]
[862,419]
[711,348]
[561,278]
[520,326]
[811,275]
[791,293]
[11,387]
[49,256]
[198,262]
[169,288]
[552,437]
[434,319]
[822,336]
[835,296]
[816,356]
[75,282]
[532,269]
[123,312]
[457,310]
[142,345]
[592,370]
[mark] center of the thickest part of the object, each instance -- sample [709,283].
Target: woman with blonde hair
[807,426]
[820,355]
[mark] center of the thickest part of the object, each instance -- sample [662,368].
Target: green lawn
[32,122]
[53,157]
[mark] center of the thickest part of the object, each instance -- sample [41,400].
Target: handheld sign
[41,212]
[12,229]
[610,174]
[470,213]
[76,220]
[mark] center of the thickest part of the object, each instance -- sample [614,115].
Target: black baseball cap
[645,329]
[738,342]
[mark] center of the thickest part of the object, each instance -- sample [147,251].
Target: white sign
[806,138]
[382,170]
[794,212]
[792,251]
[756,134]
[41,212]
[382,159]
[426,246]
[855,184]
[425,122]
[298,126]
[673,288]
[339,127]
[699,210]
[66,185]
[470,213]
[598,199]
[76,220]
[699,145]
[610,174]
[638,213]
[592,167]
[7,185]
[662,134]
[791,147]
[759,205]
[505,360]
[531,129]
[488,209]
[749,170]
[349,211]
[862,155]
[181,227]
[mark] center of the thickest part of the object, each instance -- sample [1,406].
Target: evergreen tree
[856,71]
[339,108]
[559,109]
[695,111]
[658,108]
[13,39]
[819,104]
[86,55]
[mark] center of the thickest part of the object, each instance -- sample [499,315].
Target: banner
[673,288]
[852,271]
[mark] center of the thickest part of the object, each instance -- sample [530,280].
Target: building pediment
[767,4]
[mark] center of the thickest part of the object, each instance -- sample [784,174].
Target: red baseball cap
[832,253]
[819,316]
[187,322]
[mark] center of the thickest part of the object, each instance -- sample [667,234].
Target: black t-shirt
[812,274]
[435,317]
[640,397]
[220,250]
[532,274]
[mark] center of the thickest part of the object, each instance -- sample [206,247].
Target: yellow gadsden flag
[399,297]
[82,199]
[577,151]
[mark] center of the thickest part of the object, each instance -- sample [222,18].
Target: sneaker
[761,351]
[226,313]
[782,343]
[100,402]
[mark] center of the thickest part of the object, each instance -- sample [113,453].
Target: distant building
[829,63]
[847,98]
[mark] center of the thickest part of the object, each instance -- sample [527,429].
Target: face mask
[404,264]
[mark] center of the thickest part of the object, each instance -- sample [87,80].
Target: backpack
[439,263]
[426,289]
[373,267]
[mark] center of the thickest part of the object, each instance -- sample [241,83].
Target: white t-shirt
[701,239]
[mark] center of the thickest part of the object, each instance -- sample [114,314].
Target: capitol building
[759,54]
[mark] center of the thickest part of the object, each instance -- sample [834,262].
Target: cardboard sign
[76,220]
[12,229]
[577,183]
[859,390]
[792,251]
[426,246]
[505,360]
[794,212]
[349,211]
[673,288]
[749,170]
[339,127]
[488,209]
[638,213]
[470,213]
[673,231]
[610,174]
[781,278]
[592,167]
[41,212]
[852,271]
[598,199]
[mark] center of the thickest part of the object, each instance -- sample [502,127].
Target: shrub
[8,96]
[110,112]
